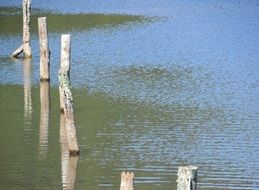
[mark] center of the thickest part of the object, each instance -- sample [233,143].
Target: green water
[111,133]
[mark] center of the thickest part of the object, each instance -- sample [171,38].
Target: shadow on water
[11,21]
[155,84]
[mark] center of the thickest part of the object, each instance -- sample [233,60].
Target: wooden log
[64,63]
[26,28]
[17,52]
[127,181]
[187,178]
[44,49]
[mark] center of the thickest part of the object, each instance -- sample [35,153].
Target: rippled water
[156,86]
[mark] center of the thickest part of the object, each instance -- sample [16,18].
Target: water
[156,86]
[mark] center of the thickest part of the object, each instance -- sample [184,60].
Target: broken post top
[42,19]
[127,181]
[188,169]
[187,178]
[127,175]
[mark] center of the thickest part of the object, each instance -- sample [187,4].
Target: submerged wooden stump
[127,181]
[187,178]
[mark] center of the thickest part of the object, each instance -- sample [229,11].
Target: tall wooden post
[187,178]
[44,49]
[66,96]
[26,28]
[127,181]
[26,46]
[64,63]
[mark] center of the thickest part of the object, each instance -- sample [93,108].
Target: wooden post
[64,63]
[69,114]
[187,178]
[26,46]
[66,96]
[127,181]
[44,49]
[26,28]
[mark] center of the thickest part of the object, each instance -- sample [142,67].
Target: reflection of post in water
[27,91]
[44,117]
[68,163]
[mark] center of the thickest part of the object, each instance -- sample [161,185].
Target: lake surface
[156,85]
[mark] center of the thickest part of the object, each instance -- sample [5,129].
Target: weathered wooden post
[187,178]
[26,46]
[64,63]
[26,28]
[66,96]
[44,49]
[127,179]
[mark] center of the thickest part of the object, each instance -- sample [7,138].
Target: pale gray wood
[44,49]
[17,52]
[64,62]
[26,28]
[187,178]
[26,45]
[127,181]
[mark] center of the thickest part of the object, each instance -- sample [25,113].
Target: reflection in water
[44,117]
[27,92]
[68,163]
